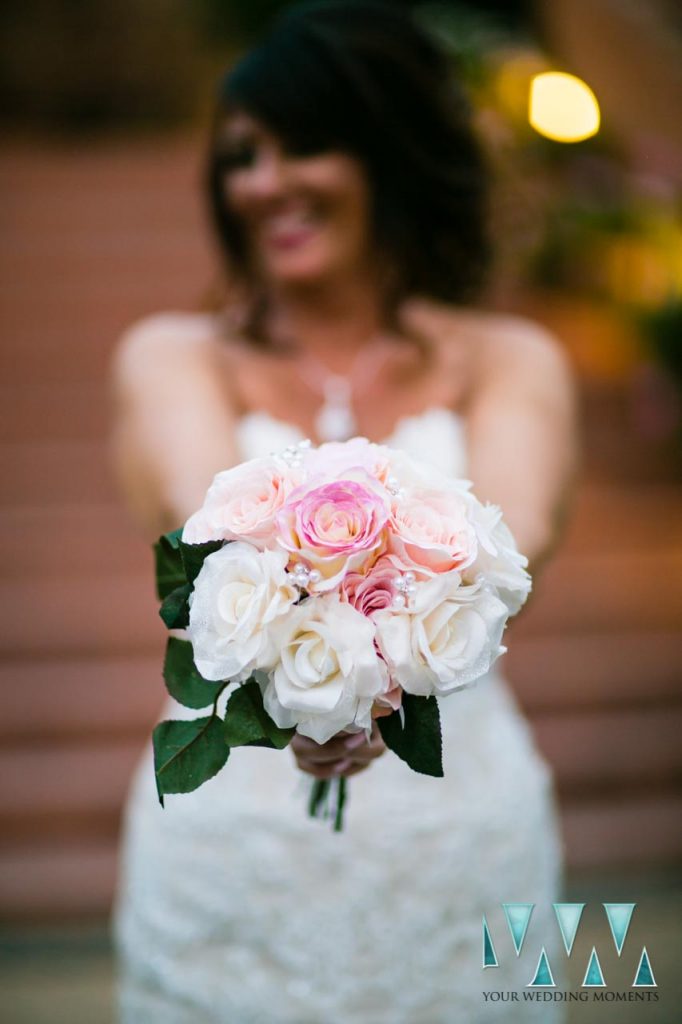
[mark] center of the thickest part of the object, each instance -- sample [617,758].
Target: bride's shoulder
[494,341]
[511,338]
[164,339]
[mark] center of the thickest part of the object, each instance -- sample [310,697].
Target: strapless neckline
[261,417]
[436,435]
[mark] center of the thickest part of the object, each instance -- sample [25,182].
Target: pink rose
[242,503]
[334,527]
[372,591]
[337,459]
[431,532]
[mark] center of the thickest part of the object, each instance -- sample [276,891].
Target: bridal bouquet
[326,587]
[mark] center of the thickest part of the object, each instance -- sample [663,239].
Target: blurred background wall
[104,109]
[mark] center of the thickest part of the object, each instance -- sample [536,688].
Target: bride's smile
[305,216]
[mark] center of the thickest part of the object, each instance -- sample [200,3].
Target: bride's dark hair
[360,77]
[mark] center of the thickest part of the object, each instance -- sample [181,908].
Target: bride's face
[306,217]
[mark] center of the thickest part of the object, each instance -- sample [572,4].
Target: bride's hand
[344,754]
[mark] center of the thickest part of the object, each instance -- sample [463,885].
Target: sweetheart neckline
[399,424]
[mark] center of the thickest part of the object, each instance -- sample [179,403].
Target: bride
[347,193]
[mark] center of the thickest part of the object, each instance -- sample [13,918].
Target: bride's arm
[172,430]
[523,435]
[172,426]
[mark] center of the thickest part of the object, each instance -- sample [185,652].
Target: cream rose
[329,673]
[448,636]
[498,557]
[238,595]
[406,475]
[242,502]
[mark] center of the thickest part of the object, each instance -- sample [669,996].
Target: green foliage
[183,681]
[175,609]
[193,556]
[177,566]
[419,743]
[170,572]
[187,754]
[327,795]
[247,723]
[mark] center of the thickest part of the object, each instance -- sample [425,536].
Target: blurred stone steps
[63,701]
[91,615]
[63,881]
[60,792]
[60,700]
[118,613]
[76,786]
[553,672]
[51,474]
[62,411]
[80,540]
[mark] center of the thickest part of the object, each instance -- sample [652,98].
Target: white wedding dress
[234,907]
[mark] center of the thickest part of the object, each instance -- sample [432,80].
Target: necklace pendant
[336,421]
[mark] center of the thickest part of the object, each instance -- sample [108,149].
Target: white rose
[238,594]
[329,673]
[498,557]
[448,636]
[408,475]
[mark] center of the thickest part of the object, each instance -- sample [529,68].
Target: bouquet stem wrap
[327,795]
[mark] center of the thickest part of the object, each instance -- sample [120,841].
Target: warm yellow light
[563,107]
[512,80]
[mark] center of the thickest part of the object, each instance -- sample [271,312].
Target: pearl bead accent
[293,453]
[303,576]
[406,586]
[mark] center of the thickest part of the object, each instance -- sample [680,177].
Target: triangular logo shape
[568,918]
[543,974]
[619,915]
[644,978]
[489,956]
[518,916]
[593,975]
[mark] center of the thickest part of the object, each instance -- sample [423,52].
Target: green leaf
[193,556]
[187,754]
[170,572]
[175,610]
[419,743]
[183,681]
[247,723]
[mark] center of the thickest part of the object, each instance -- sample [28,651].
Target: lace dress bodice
[234,907]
